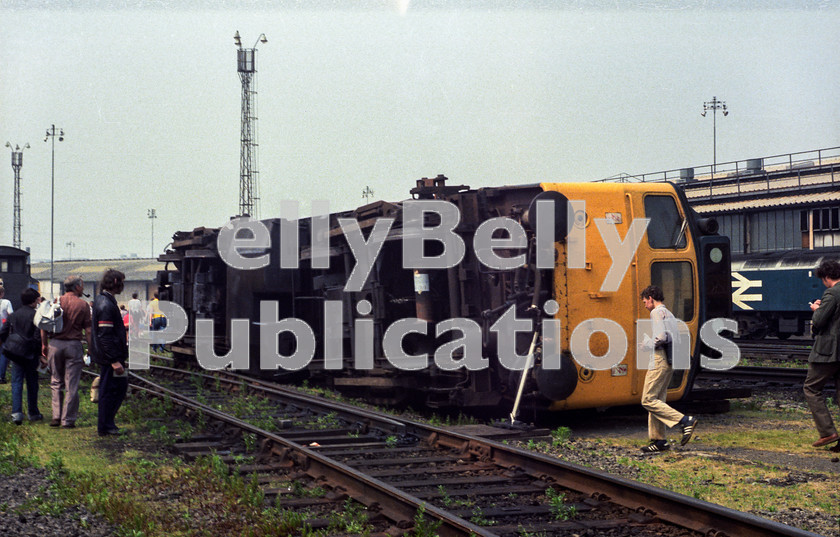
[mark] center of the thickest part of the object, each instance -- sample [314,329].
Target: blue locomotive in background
[771,291]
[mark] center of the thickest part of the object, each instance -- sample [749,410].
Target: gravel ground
[19,518]
[592,454]
[591,447]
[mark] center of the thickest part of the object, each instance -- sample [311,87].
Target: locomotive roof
[11,251]
[787,259]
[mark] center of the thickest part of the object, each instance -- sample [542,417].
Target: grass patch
[742,485]
[760,408]
[13,441]
[448,420]
[745,487]
[147,493]
[735,476]
[782,441]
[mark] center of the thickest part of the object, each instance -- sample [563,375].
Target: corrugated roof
[737,205]
[135,269]
[755,185]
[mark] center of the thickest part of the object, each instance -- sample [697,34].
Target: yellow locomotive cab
[664,256]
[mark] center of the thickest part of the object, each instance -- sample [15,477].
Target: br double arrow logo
[740,285]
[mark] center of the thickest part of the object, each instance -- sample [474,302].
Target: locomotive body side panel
[656,260]
[771,291]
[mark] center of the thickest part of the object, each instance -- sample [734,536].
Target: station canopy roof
[759,203]
[135,269]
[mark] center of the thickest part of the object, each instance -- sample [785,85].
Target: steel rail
[673,507]
[391,502]
[782,348]
[679,509]
[349,412]
[789,375]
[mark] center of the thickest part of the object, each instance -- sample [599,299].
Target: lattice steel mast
[249,193]
[17,164]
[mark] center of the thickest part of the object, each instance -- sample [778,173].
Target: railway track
[760,375]
[775,350]
[755,376]
[405,472]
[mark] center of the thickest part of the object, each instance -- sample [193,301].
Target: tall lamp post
[152,215]
[70,245]
[51,134]
[714,105]
[17,164]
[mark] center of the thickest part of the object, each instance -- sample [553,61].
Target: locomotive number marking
[619,370]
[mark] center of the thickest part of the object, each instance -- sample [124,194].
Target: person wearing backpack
[5,311]
[66,353]
[109,349]
[24,346]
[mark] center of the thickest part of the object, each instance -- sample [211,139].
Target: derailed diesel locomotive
[405,304]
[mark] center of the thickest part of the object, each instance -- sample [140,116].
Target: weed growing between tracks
[559,508]
[133,483]
[423,525]
[169,497]
[445,420]
[757,458]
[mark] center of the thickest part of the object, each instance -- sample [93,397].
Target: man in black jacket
[25,367]
[110,350]
[824,360]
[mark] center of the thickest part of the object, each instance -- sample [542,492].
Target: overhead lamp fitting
[238,40]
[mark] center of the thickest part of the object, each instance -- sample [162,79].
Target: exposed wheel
[758,332]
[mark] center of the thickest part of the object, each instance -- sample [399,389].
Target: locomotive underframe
[212,290]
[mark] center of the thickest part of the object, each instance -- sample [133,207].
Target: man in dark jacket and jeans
[25,368]
[110,350]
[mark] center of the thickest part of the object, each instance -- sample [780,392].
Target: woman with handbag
[22,345]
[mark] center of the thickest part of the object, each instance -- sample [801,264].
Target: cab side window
[665,228]
[677,283]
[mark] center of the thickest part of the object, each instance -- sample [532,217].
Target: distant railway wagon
[771,291]
[14,272]
[460,320]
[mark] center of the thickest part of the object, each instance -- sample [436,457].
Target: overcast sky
[381,95]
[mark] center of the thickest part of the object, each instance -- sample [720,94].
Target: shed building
[140,276]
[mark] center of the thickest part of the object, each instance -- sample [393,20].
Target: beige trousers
[66,363]
[660,415]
